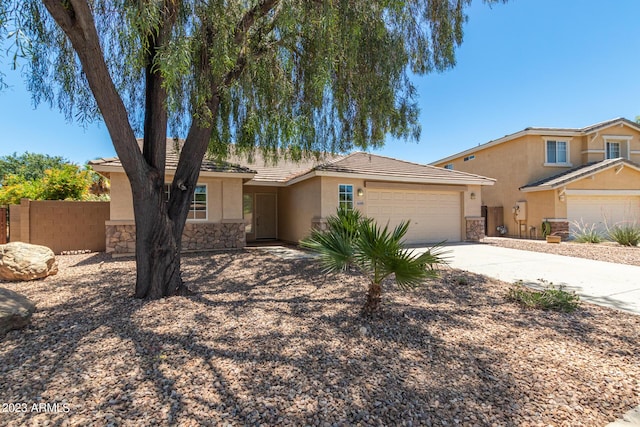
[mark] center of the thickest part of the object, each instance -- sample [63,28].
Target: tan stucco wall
[472,207]
[625,179]
[121,198]
[298,205]
[541,205]
[594,144]
[330,186]
[224,198]
[521,161]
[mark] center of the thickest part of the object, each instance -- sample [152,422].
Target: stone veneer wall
[559,228]
[197,236]
[474,228]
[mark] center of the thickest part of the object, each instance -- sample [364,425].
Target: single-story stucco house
[237,202]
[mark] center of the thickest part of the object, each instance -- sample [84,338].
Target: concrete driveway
[604,283]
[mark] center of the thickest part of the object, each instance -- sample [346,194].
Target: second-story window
[613,150]
[557,152]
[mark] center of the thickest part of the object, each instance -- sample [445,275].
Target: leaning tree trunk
[374,299]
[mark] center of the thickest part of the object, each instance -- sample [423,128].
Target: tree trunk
[157,247]
[374,299]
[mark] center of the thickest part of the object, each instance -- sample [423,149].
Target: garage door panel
[434,216]
[602,211]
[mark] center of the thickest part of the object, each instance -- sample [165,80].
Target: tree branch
[76,20]
[156,116]
[260,10]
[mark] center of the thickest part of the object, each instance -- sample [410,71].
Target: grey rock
[15,310]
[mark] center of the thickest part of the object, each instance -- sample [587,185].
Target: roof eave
[507,138]
[387,178]
[170,171]
[563,183]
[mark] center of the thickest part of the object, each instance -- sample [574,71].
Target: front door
[266,216]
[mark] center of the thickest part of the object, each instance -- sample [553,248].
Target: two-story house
[560,176]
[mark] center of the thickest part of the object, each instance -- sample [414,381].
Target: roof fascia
[254,183]
[620,122]
[389,178]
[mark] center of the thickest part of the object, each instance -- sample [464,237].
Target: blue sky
[555,63]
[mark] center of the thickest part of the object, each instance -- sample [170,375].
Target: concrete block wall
[60,225]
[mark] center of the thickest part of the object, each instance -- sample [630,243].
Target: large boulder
[23,261]
[15,310]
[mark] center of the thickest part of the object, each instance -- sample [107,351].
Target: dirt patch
[274,341]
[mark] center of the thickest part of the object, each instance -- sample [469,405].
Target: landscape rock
[15,310]
[23,261]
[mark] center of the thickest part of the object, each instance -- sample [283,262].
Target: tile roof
[373,165]
[282,172]
[576,173]
[173,154]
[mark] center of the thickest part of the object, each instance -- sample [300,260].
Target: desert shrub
[549,298]
[586,233]
[626,235]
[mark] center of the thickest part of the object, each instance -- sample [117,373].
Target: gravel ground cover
[268,341]
[605,251]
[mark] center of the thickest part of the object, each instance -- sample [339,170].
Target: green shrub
[626,235]
[546,228]
[68,182]
[586,233]
[550,298]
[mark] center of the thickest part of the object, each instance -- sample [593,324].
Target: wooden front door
[266,225]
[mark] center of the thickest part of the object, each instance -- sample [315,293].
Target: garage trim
[570,192]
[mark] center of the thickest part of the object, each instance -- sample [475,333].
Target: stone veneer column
[197,236]
[474,228]
[559,227]
[319,224]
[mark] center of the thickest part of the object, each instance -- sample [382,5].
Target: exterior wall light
[360,192]
[473,196]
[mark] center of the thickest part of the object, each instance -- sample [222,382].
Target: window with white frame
[345,196]
[557,152]
[449,166]
[612,150]
[198,205]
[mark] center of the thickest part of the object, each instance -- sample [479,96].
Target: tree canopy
[29,166]
[288,77]
[310,75]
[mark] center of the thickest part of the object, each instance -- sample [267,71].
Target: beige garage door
[435,216]
[601,210]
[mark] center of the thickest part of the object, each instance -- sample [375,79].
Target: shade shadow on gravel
[278,342]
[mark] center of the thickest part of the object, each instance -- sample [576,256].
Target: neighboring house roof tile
[575,174]
[543,131]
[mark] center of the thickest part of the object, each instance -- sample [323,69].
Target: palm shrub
[350,239]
